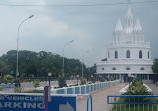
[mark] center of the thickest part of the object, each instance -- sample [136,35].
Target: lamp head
[49,74]
[31,16]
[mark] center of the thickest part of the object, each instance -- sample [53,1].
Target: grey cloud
[89,27]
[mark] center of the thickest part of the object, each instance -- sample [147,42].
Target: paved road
[99,98]
[28,86]
[153,88]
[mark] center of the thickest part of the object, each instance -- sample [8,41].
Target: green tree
[155,66]
[40,63]
[36,83]
[62,82]
[93,79]
[83,81]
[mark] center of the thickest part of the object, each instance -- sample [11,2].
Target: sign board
[62,103]
[16,102]
[11,72]
[34,102]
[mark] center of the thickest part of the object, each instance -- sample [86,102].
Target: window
[127,68]
[102,68]
[108,54]
[113,68]
[140,54]
[145,76]
[128,54]
[142,68]
[151,76]
[116,54]
[148,54]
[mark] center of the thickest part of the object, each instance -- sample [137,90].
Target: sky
[57,22]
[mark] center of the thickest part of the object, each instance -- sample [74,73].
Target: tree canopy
[155,66]
[33,64]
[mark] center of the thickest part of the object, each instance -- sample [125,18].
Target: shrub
[8,77]
[62,82]
[83,81]
[36,83]
[17,82]
[111,79]
[93,79]
[102,79]
[136,88]
[106,78]
[18,90]
[1,89]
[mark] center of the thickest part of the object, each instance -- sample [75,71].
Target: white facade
[128,53]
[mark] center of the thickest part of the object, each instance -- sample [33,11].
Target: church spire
[129,18]
[137,26]
[118,27]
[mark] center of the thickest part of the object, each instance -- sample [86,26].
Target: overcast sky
[91,27]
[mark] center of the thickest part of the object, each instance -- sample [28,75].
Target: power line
[78,5]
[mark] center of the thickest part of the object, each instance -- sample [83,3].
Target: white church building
[128,55]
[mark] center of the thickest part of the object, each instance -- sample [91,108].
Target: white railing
[84,89]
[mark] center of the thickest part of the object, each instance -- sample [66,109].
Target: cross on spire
[129,1]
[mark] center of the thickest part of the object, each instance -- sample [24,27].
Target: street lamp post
[82,61]
[49,75]
[63,54]
[17,60]
[77,79]
[91,77]
[100,78]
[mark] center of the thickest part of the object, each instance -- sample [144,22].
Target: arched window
[128,54]
[148,54]
[142,68]
[116,54]
[127,68]
[113,68]
[140,54]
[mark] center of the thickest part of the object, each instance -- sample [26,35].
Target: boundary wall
[84,89]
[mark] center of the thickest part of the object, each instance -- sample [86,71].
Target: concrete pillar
[147,76]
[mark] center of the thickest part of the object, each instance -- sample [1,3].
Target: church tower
[128,54]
